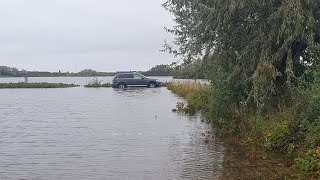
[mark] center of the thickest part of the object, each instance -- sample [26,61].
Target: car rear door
[139,80]
[128,79]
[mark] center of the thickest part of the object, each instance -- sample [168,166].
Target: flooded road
[82,133]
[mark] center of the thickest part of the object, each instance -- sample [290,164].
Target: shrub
[313,134]
[310,162]
[279,135]
[308,95]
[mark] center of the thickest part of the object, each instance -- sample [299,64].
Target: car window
[137,76]
[125,76]
[120,76]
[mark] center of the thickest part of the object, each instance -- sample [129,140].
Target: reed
[196,95]
[97,84]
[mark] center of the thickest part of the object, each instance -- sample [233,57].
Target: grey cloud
[100,34]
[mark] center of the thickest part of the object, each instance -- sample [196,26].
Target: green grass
[195,93]
[35,85]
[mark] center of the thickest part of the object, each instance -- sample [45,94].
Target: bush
[308,96]
[279,136]
[310,162]
[313,134]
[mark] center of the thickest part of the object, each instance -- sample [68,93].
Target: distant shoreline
[14,72]
[75,76]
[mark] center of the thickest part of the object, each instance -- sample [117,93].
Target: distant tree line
[11,71]
[14,72]
[182,71]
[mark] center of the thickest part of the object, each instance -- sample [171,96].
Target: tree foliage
[263,46]
[8,71]
[159,70]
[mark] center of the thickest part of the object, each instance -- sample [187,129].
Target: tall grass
[97,84]
[197,95]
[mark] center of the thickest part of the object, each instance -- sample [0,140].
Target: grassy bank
[197,96]
[35,85]
[282,131]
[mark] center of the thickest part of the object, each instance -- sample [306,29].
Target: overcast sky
[70,35]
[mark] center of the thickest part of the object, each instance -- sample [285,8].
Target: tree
[88,72]
[160,70]
[262,47]
[8,71]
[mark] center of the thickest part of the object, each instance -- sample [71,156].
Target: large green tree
[263,47]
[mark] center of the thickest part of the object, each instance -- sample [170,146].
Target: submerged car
[133,79]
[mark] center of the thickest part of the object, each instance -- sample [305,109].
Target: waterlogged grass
[165,84]
[258,134]
[97,84]
[35,85]
[106,85]
[186,90]
[197,96]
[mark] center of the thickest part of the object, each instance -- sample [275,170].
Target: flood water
[104,133]
[86,80]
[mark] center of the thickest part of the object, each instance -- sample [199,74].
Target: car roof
[125,72]
[128,73]
[117,75]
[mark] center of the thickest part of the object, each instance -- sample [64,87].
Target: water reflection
[134,91]
[201,160]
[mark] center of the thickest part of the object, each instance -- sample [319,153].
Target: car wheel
[152,85]
[122,85]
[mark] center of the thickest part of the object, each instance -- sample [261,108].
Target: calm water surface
[83,133]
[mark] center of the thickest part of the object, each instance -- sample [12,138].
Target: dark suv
[127,79]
